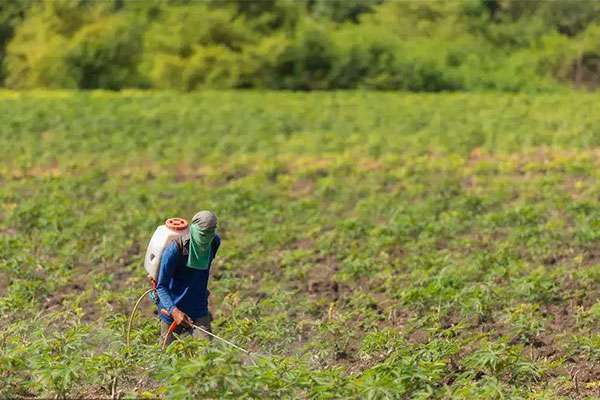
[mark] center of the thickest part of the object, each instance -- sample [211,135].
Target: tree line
[508,45]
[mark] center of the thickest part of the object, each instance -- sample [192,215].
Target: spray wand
[174,325]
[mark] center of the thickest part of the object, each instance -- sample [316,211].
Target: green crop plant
[375,245]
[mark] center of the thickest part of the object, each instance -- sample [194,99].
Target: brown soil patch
[584,380]
[4,283]
[191,172]
[83,278]
[539,157]
[56,299]
[318,287]
[322,282]
[302,188]
[303,244]
[51,170]
[418,336]
[584,375]
[8,232]
[591,257]
[309,164]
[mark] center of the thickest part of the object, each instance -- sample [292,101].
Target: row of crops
[375,245]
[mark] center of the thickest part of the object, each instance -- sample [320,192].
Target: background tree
[301,45]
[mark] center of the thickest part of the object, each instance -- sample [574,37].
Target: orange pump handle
[177,224]
[172,328]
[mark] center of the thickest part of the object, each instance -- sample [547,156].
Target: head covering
[202,233]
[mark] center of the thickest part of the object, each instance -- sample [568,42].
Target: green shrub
[105,54]
[62,45]
[35,56]
[307,63]
[308,45]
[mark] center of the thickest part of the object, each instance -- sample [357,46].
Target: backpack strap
[183,245]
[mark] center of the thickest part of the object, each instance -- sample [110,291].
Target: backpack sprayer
[172,230]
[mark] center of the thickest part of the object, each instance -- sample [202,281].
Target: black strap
[183,245]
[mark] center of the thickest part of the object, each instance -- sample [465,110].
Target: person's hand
[181,318]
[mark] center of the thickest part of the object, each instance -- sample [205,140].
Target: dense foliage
[509,45]
[375,245]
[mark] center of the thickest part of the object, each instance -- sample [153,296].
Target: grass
[375,245]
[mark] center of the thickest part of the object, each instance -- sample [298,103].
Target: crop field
[375,245]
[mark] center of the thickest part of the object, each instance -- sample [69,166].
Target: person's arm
[215,246]
[167,269]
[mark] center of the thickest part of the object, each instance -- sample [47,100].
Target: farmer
[183,279]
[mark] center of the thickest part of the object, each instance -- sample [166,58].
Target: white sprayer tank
[162,237]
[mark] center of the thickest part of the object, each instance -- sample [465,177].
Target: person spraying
[182,285]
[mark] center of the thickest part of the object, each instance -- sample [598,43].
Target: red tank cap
[177,224]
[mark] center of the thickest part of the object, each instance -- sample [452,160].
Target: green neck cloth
[200,248]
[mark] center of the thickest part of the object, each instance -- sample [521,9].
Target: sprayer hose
[137,303]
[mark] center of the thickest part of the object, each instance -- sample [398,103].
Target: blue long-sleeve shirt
[181,286]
